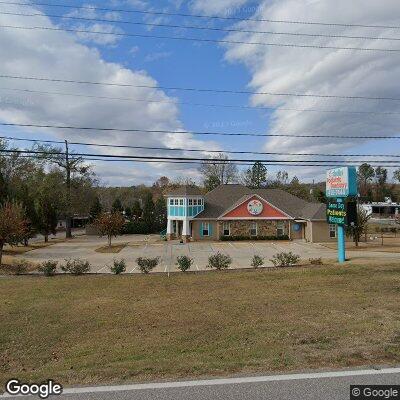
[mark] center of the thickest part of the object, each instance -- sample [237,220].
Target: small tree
[110,225]
[257,261]
[219,261]
[147,264]
[285,259]
[13,225]
[361,227]
[184,263]
[118,267]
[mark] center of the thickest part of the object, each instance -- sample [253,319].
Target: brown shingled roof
[225,197]
[185,191]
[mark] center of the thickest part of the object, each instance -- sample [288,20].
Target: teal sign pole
[341,182]
[341,240]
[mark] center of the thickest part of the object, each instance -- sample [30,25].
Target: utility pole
[68,230]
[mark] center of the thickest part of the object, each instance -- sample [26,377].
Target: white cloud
[333,72]
[58,55]
[157,56]
[220,7]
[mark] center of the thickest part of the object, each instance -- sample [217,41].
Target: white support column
[186,228]
[169,227]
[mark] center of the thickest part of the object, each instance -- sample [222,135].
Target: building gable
[254,207]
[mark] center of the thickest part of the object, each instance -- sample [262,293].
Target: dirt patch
[115,248]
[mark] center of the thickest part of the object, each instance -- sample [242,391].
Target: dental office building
[234,210]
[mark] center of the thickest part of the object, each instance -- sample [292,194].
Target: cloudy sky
[62,53]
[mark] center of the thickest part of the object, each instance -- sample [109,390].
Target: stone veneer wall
[242,227]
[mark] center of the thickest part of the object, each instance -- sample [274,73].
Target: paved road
[318,386]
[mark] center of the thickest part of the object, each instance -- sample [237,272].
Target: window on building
[280,228]
[171,202]
[227,229]
[190,202]
[181,202]
[200,202]
[176,202]
[332,231]
[205,229]
[195,202]
[253,229]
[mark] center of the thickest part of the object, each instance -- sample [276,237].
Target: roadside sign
[341,213]
[341,182]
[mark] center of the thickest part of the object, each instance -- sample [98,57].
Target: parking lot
[150,246]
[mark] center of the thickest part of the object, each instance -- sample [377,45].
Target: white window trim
[228,229]
[252,227]
[203,228]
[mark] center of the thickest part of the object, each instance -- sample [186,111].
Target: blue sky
[166,62]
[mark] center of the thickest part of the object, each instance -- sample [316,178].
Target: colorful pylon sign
[341,182]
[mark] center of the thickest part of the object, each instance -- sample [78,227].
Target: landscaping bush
[135,227]
[219,261]
[315,261]
[76,266]
[184,263]
[238,238]
[257,261]
[48,268]
[285,259]
[147,264]
[118,267]
[20,267]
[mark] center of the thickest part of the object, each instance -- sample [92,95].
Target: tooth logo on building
[254,207]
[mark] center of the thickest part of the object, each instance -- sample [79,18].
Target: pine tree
[160,214]
[117,206]
[136,210]
[256,176]
[148,212]
[95,210]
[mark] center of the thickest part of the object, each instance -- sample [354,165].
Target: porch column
[185,230]
[170,230]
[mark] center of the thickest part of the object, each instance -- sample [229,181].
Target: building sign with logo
[341,182]
[255,207]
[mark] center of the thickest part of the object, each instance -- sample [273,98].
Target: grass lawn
[100,329]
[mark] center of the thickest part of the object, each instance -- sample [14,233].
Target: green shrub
[20,267]
[184,263]
[238,238]
[285,259]
[315,261]
[147,264]
[76,266]
[219,261]
[135,227]
[118,267]
[257,261]
[48,268]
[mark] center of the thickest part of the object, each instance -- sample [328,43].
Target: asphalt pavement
[319,386]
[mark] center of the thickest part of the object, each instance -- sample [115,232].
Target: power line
[193,150]
[193,89]
[213,105]
[200,159]
[196,27]
[194,39]
[197,132]
[297,22]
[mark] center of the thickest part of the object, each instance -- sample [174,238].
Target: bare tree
[218,170]
[70,164]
